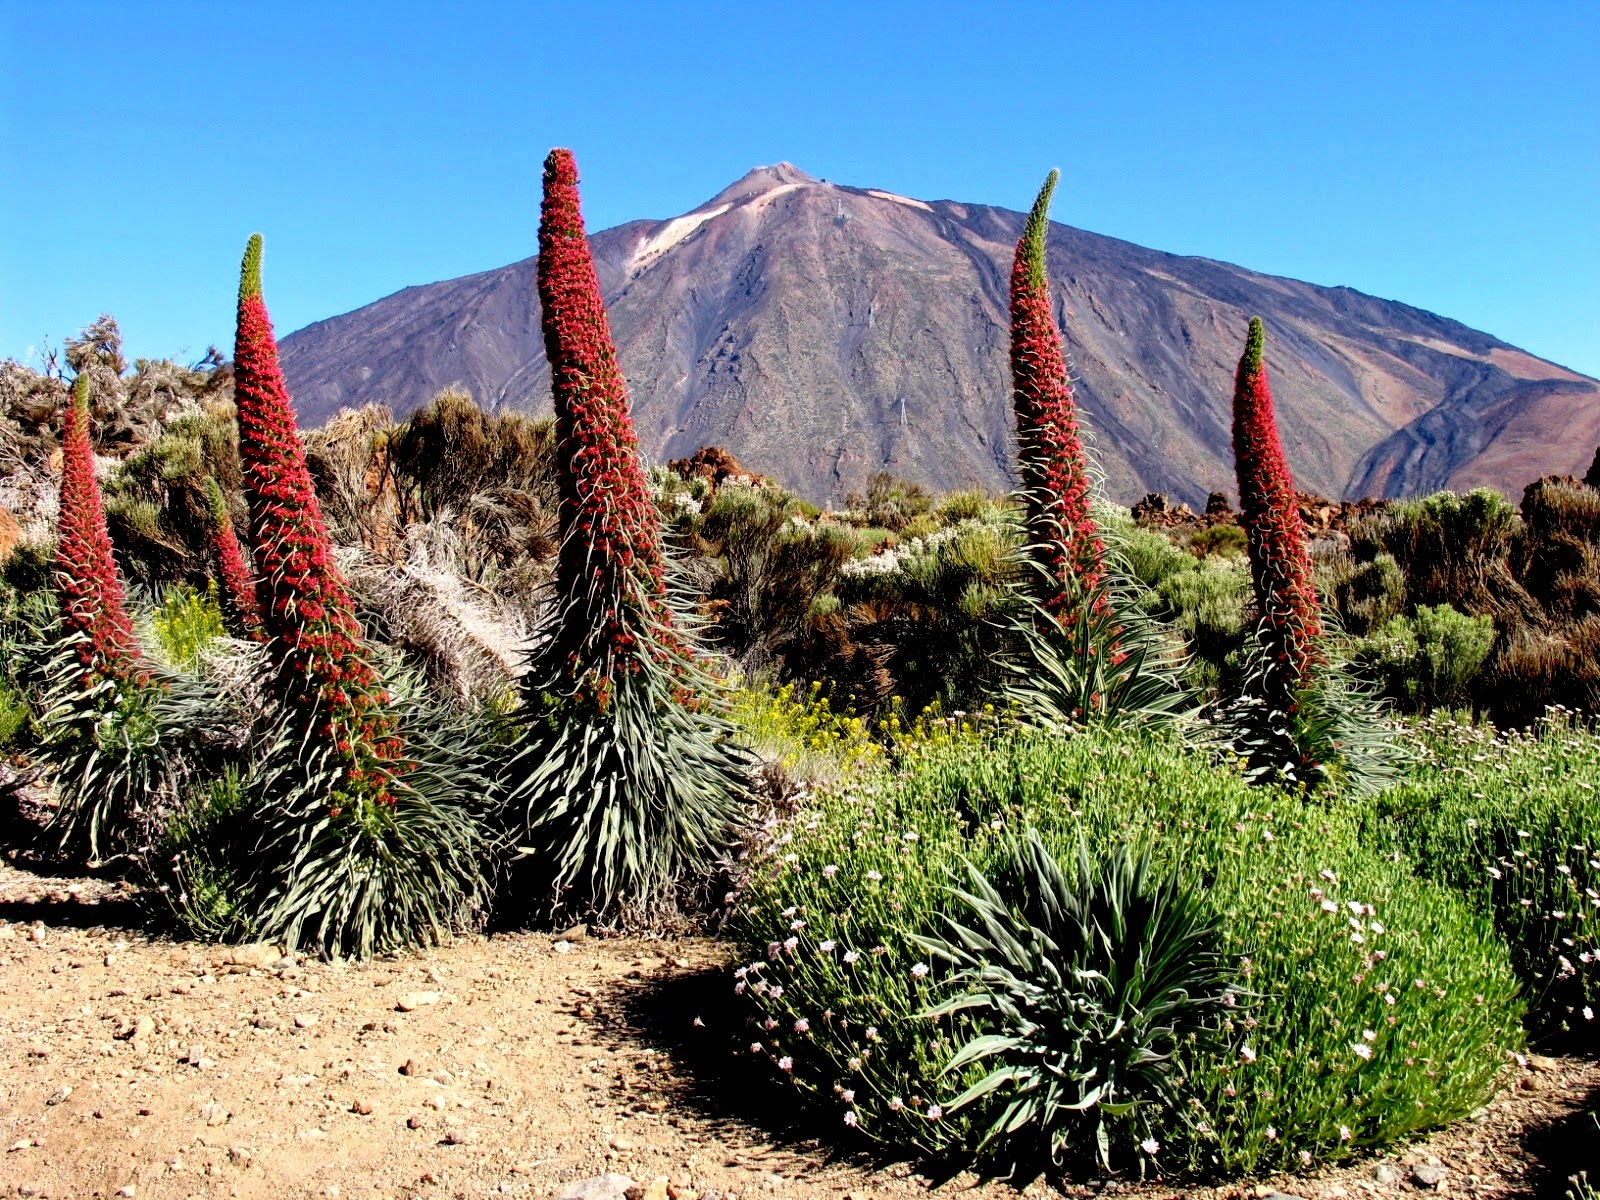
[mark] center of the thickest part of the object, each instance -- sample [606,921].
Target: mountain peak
[759,180]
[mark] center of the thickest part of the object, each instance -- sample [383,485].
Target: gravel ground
[516,1064]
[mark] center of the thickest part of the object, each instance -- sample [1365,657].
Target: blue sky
[1445,154]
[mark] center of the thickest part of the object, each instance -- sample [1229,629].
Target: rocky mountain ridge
[823,333]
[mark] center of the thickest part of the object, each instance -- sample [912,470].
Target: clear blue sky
[1445,154]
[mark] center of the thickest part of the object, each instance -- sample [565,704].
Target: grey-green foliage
[1089,978]
[1428,660]
[1329,934]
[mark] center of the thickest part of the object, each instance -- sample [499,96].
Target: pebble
[60,1094]
[656,1189]
[361,1108]
[610,1186]
[411,1067]
[411,1001]
[305,1020]
[1386,1174]
[1428,1175]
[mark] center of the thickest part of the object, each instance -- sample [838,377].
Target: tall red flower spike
[240,604]
[90,590]
[305,609]
[1050,458]
[1280,565]
[610,573]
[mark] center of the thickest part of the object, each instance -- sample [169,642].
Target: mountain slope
[823,333]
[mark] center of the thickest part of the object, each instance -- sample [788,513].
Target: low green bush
[1511,821]
[1366,1004]
[185,623]
[1430,660]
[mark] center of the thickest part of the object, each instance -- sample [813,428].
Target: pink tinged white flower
[896,1104]
[827,946]
[830,871]
[786,1063]
[1247,1052]
[919,970]
[1149,1145]
[872,1033]
[756,1047]
[875,876]
[850,1118]
[1272,1134]
[790,943]
[848,1095]
[802,1026]
[851,956]
[1344,1133]
[935,1112]
[854,1064]
[1361,1049]
[1305,1158]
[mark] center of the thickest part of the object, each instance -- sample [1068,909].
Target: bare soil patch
[514,1064]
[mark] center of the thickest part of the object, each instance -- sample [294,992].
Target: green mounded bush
[1368,1004]
[185,622]
[1512,822]
[1429,660]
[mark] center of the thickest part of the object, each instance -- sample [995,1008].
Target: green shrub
[14,715]
[186,621]
[1430,660]
[1098,979]
[1512,822]
[1370,1004]
[1229,541]
[798,728]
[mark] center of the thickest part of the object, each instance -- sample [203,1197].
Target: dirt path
[510,1065]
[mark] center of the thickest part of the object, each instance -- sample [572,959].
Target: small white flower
[830,871]
[802,1025]
[1362,1050]
[850,1118]
[848,1095]
[896,1104]
[827,946]
[786,1063]
[790,943]
[1247,1053]
[1588,1013]
[1272,1134]
[935,1113]
[874,876]
[1344,1133]
[1369,1035]
[1305,1158]
[698,1023]
[854,1064]
[919,970]
[872,1033]
[1149,1145]
[850,956]
[755,1047]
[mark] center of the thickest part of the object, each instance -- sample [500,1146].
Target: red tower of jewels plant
[1050,458]
[305,610]
[239,602]
[87,583]
[1280,566]
[627,778]
[610,536]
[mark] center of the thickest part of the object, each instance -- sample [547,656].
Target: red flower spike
[240,604]
[1050,458]
[1280,565]
[87,584]
[295,575]
[611,555]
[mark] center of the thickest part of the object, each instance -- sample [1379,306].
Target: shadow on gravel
[726,1086]
[717,1084]
[110,914]
[1565,1147]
